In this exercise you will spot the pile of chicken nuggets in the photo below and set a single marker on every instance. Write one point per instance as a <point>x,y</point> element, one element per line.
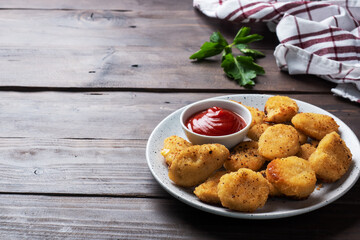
<point>288,153</point>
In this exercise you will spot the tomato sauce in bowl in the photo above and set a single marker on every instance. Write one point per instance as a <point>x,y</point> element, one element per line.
<point>215,121</point>
<point>227,123</point>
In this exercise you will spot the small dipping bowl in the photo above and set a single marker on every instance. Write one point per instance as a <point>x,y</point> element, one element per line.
<point>229,140</point>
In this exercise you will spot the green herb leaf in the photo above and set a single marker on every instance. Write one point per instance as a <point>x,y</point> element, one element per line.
<point>216,37</point>
<point>243,36</point>
<point>244,31</point>
<point>214,47</point>
<point>243,69</point>
<point>241,46</point>
<point>250,52</point>
<point>208,49</point>
<point>248,62</point>
<point>249,39</point>
<point>229,66</point>
<point>236,70</point>
<point>226,51</point>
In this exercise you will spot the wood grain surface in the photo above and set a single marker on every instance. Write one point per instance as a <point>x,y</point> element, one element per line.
<point>44,217</point>
<point>108,115</point>
<point>82,86</point>
<point>123,5</point>
<point>118,50</point>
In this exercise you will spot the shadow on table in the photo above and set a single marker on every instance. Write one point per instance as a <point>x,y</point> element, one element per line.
<point>335,221</point>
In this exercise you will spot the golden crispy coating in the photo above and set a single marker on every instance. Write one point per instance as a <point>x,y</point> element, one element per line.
<point>279,141</point>
<point>273,191</point>
<point>255,131</point>
<point>280,109</point>
<point>244,190</point>
<point>314,125</point>
<point>305,151</point>
<point>302,137</point>
<point>292,176</point>
<point>195,164</point>
<point>172,147</point>
<point>332,158</point>
<point>257,115</point>
<point>245,155</point>
<point>207,191</point>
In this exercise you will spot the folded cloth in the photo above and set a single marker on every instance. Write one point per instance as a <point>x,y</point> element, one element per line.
<point>316,37</point>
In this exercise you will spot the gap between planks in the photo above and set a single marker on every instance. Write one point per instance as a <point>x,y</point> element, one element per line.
<point>98,90</point>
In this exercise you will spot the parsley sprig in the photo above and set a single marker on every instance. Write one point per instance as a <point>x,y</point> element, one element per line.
<point>241,68</point>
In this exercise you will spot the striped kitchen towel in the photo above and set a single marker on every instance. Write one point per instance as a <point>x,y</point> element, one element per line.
<point>316,37</point>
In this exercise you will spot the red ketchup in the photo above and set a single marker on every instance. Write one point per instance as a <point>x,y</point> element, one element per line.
<point>215,121</point>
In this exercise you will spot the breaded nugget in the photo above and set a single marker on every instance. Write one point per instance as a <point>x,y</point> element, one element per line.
<point>244,190</point>
<point>195,164</point>
<point>172,147</point>
<point>332,158</point>
<point>255,131</point>
<point>314,125</point>
<point>245,155</point>
<point>257,115</point>
<point>302,137</point>
<point>292,176</point>
<point>279,141</point>
<point>207,191</point>
<point>279,109</point>
<point>273,191</point>
<point>305,151</point>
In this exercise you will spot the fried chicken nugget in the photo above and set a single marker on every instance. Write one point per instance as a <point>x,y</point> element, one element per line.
<point>244,190</point>
<point>280,109</point>
<point>196,163</point>
<point>332,158</point>
<point>302,137</point>
<point>245,155</point>
<point>255,131</point>
<point>273,191</point>
<point>314,125</point>
<point>292,176</point>
<point>257,126</point>
<point>279,141</point>
<point>207,191</point>
<point>172,147</point>
<point>305,151</point>
<point>257,115</point>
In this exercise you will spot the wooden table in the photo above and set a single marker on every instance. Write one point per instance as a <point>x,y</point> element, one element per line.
<point>84,83</point>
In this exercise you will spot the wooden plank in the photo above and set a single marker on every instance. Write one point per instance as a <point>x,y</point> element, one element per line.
<point>129,5</point>
<point>94,28</point>
<point>74,166</point>
<point>160,21</point>
<point>45,217</point>
<point>116,115</point>
<point>135,67</point>
<point>109,115</point>
<point>111,49</point>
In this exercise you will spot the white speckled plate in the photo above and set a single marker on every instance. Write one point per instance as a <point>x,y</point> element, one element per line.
<point>275,207</point>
